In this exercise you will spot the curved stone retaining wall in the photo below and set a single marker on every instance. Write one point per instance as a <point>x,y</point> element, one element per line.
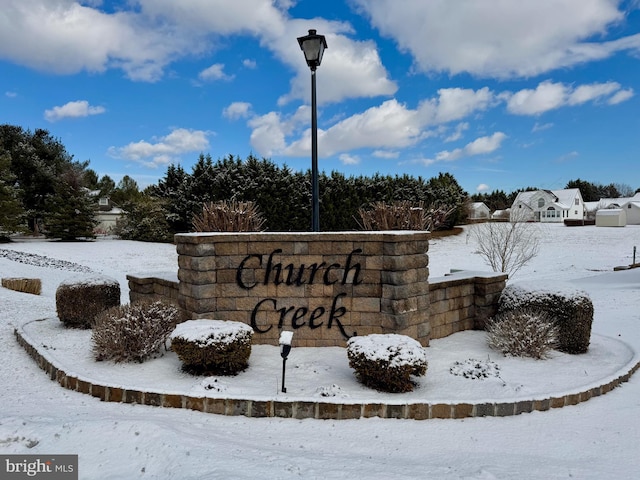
<point>310,409</point>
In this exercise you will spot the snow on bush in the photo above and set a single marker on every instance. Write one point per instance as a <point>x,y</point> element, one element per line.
<point>133,332</point>
<point>518,333</point>
<point>570,308</point>
<point>386,362</point>
<point>212,346</point>
<point>80,298</point>
<point>475,369</point>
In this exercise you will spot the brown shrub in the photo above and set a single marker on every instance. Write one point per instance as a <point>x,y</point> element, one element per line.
<point>80,299</point>
<point>522,334</point>
<point>133,332</point>
<point>386,362</point>
<point>571,309</point>
<point>403,215</point>
<point>212,347</point>
<point>229,216</point>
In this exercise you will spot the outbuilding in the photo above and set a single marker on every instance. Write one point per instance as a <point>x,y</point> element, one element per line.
<point>611,217</point>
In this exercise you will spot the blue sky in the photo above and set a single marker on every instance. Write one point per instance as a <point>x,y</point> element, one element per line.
<point>502,94</point>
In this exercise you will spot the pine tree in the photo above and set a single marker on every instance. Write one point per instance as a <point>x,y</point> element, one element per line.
<point>71,210</point>
<point>11,211</point>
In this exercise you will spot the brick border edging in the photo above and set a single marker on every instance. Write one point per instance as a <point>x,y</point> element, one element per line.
<point>311,409</point>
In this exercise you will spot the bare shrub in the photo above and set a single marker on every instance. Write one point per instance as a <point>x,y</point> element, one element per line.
<point>522,334</point>
<point>403,215</point>
<point>386,362</point>
<point>81,298</point>
<point>507,246</point>
<point>212,347</point>
<point>24,285</point>
<point>229,216</point>
<point>133,332</point>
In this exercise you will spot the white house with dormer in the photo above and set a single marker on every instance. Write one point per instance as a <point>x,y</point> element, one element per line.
<point>548,206</point>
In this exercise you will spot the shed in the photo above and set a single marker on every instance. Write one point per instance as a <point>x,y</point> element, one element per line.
<point>478,211</point>
<point>632,209</point>
<point>611,217</point>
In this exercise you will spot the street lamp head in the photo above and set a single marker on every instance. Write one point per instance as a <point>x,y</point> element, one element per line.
<point>313,46</point>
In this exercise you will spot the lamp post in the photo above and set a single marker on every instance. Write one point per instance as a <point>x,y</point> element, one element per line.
<point>285,349</point>
<point>313,46</point>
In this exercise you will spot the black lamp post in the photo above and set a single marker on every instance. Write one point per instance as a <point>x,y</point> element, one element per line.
<point>285,349</point>
<point>313,46</point>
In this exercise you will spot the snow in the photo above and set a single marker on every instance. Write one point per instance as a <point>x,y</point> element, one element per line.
<point>286,337</point>
<point>208,332</point>
<point>592,440</point>
<point>398,350</point>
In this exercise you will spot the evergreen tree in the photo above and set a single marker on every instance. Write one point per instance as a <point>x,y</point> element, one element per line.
<point>146,221</point>
<point>37,161</point>
<point>71,210</point>
<point>11,211</point>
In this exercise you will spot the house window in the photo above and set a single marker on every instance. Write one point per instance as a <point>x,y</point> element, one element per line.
<point>103,201</point>
<point>540,202</point>
<point>577,201</point>
<point>629,206</point>
<point>575,212</point>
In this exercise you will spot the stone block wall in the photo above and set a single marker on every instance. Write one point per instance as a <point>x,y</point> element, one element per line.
<point>158,286</point>
<point>364,282</point>
<point>326,287</point>
<point>463,300</point>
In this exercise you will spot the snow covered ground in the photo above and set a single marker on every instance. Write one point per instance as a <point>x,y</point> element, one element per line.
<point>593,440</point>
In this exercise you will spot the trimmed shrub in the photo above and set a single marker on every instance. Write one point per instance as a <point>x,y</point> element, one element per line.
<point>571,309</point>
<point>24,285</point>
<point>133,332</point>
<point>386,362</point>
<point>212,347</point>
<point>81,298</point>
<point>522,334</point>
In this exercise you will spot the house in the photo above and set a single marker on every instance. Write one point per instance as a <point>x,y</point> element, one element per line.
<point>107,214</point>
<point>479,211</point>
<point>548,206</point>
<point>611,217</point>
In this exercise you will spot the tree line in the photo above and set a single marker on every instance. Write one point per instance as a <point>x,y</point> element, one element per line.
<point>44,190</point>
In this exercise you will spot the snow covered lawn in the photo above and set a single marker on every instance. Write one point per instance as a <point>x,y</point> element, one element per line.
<point>593,440</point>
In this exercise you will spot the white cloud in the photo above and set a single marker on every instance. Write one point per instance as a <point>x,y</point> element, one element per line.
<point>214,72</point>
<point>385,154</point>
<point>483,187</point>
<point>585,93</point>
<point>621,96</point>
<point>350,68</point>
<point>550,96</point>
<point>237,110</point>
<point>248,63</point>
<point>10,94</point>
<point>502,39</point>
<point>480,146</point>
<point>64,37</point>
<point>457,133</point>
<point>163,150</point>
<point>77,109</point>
<point>539,127</point>
<point>347,159</point>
